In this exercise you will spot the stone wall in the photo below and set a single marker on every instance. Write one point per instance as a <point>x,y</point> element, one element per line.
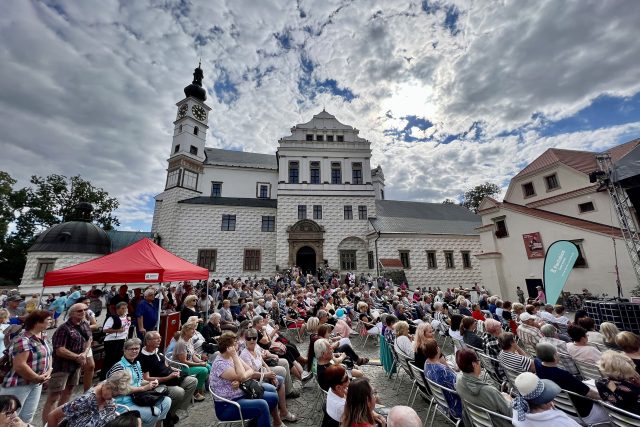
<point>30,284</point>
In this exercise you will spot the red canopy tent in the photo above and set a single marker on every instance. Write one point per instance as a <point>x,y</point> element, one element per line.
<point>141,262</point>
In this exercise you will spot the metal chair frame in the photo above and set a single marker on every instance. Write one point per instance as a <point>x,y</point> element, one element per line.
<point>404,363</point>
<point>563,402</point>
<point>215,397</point>
<point>441,402</point>
<point>620,417</point>
<point>487,363</point>
<point>511,377</point>
<point>425,391</point>
<point>297,329</point>
<point>482,417</point>
<point>181,366</point>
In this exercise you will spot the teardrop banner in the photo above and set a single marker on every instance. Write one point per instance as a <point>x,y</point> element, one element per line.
<point>558,263</point>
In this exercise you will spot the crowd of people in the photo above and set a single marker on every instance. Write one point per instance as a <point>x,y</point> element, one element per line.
<point>237,342</point>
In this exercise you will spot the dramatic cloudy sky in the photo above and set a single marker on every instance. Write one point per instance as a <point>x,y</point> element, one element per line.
<point>451,93</point>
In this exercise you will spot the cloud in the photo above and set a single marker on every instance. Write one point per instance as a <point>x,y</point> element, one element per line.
<point>451,93</point>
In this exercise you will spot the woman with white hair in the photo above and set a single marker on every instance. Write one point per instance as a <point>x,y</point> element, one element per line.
<point>620,383</point>
<point>96,407</point>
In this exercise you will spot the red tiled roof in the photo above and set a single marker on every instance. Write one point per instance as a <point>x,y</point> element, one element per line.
<point>583,161</point>
<point>564,219</point>
<point>391,263</point>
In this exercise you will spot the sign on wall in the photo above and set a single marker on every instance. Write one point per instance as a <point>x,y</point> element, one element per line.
<point>533,245</point>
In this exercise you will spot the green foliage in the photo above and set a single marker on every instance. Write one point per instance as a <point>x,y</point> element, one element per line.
<point>48,201</point>
<point>472,198</point>
<point>448,202</point>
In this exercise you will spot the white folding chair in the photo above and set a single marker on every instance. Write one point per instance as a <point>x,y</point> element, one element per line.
<point>564,402</point>
<point>179,365</point>
<point>588,371</point>
<point>422,388</point>
<point>482,417</point>
<point>620,417</point>
<point>442,405</point>
<point>215,397</point>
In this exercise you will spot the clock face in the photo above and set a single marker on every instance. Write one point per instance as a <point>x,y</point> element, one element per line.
<point>183,111</point>
<point>199,112</point>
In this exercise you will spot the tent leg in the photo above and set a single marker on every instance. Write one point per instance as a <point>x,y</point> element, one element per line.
<point>40,300</point>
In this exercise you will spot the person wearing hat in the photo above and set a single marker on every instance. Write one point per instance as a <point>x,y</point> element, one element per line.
<point>534,406</point>
<point>528,331</point>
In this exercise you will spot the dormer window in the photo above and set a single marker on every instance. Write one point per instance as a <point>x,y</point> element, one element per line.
<point>551,182</point>
<point>340,138</point>
<point>528,190</point>
<point>319,137</point>
<point>329,138</point>
<point>195,130</point>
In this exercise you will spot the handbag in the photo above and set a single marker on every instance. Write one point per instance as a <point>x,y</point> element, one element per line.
<point>278,348</point>
<point>177,380</point>
<point>271,361</point>
<point>252,389</point>
<point>151,397</point>
<point>5,365</point>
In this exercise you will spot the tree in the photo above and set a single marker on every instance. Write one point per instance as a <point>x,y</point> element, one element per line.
<point>31,210</point>
<point>472,198</point>
<point>448,202</point>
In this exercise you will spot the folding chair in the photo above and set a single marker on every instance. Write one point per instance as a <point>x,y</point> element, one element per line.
<point>511,377</point>
<point>297,335</point>
<point>482,417</point>
<point>422,388</point>
<point>364,332</point>
<point>588,371</point>
<point>480,329</point>
<point>179,365</point>
<point>215,397</point>
<point>564,402</point>
<point>442,405</point>
<point>404,363</point>
<point>489,364</point>
<point>620,417</point>
<point>458,345</point>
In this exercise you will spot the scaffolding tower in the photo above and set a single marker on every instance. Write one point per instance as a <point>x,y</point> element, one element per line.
<point>622,206</point>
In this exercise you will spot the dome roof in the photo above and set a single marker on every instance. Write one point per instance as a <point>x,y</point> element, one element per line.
<point>195,89</point>
<point>73,236</point>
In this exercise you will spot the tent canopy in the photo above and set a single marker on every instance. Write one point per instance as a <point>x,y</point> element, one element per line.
<point>141,262</point>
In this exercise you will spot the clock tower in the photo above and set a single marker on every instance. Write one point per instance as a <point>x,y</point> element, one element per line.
<point>189,136</point>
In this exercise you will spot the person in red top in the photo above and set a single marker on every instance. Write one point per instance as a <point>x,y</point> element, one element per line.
<point>360,405</point>
<point>477,313</point>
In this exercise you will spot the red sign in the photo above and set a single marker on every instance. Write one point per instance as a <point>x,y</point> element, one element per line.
<point>533,245</point>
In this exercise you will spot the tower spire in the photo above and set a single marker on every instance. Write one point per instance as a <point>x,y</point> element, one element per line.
<point>195,89</point>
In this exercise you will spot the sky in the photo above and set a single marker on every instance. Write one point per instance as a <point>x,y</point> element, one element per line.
<point>450,93</point>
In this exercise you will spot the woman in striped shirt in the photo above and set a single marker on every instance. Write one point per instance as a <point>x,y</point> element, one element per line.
<point>512,356</point>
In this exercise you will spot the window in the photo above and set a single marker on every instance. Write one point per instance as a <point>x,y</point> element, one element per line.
<point>340,138</point>
<point>382,194</point>
<point>501,228</point>
<point>228,223</point>
<point>336,173</point>
<point>319,138</point>
<point>302,211</point>
<point>175,150</point>
<point>268,223</point>
<point>263,192</point>
<point>347,260</point>
<point>44,265</point>
<point>348,212</point>
<point>180,128</point>
<point>294,172</point>
<point>586,207</point>
<point>329,138</point>
<point>404,259</point>
<point>362,212</point>
<point>173,178</point>
<point>193,150</point>
<point>252,259</point>
<point>216,189</point>
<point>189,179</point>
<point>466,259</point>
<point>371,260</point>
<point>207,258</point>
<point>431,260</point>
<point>581,261</point>
<point>309,137</point>
<point>315,172</point>
<point>448,259</point>
<point>356,173</point>
<point>551,182</point>
<point>195,130</point>
<point>317,211</point>
<point>528,190</point>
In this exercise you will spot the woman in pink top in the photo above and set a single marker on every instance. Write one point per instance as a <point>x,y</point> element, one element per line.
<point>579,349</point>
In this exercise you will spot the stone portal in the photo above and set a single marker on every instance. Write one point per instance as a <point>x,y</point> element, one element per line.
<point>306,245</point>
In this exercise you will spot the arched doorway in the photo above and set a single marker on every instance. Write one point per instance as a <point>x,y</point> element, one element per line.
<point>306,259</point>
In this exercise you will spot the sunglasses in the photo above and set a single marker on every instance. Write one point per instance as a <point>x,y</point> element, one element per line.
<point>252,338</point>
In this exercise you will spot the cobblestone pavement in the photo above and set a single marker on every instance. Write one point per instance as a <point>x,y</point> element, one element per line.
<point>307,407</point>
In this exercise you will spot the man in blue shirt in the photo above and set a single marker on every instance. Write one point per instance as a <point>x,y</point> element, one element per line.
<point>58,307</point>
<point>147,312</point>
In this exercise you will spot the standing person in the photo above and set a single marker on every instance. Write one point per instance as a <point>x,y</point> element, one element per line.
<point>57,306</point>
<point>31,364</point>
<point>147,312</point>
<point>71,342</point>
<point>541,296</point>
<point>90,366</point>
<point>121,296</point>
<point>4,325</point>
<point>520,294</point>
<point>116,326</point>
<point>32,303</point>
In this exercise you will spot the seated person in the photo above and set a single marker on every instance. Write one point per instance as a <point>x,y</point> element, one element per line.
<point>325,357</point>
<point>468,332</point>
<point>609,332</point>
<point>579,349</point>
<point>590,326</point>
<point>338,381</point>
<point>403,416</point>
<point>534,406</point>
<point>403,344</point>
<point>547,367</point>
<point>620,383</point>
<point>512,356</point>
<point>630,345</point>
<point>423,333</point>
<point>474,390</point>
<point>437,370</point>
<point>360,404</point>
<point>212,330</point>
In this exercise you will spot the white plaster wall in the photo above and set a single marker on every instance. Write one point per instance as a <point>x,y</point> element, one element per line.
<point>165,214</point>
<point>601,201</point>
<point>237,182</point>
<point>419,274</point>
<point>336,227</point>
<point>63,259</point>
<point>200,228</point>
<point>569,180</point>
<point>598,251</point>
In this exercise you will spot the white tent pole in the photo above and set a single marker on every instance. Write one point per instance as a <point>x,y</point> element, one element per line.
<point>159,308</point>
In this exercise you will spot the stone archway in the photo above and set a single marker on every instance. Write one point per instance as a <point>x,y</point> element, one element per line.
<point>306,260</point>
<point>306,234</point>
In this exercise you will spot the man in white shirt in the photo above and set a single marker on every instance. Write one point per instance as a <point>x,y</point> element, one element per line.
<point>547,314</point>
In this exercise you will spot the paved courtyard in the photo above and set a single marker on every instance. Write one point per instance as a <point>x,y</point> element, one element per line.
<point>307,406</point>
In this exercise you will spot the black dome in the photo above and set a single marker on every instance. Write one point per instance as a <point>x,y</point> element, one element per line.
<point>195,89</point>
<point>73,236</point>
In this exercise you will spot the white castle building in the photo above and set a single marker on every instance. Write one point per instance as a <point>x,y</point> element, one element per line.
<point>316,201</point>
